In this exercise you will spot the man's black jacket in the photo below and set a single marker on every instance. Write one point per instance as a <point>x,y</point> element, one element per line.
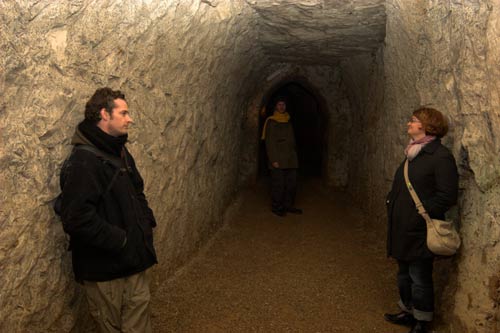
<point>111,231</point>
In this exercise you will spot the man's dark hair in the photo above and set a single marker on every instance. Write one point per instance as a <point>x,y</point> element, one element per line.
<point>102,98</point>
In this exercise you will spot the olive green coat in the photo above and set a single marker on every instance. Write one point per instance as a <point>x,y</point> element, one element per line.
<point>280,145</point>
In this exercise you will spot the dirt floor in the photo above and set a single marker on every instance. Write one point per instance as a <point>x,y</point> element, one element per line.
<point>316,272</point>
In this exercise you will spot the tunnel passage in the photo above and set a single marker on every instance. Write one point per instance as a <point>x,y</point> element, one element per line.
<point>195,71</point>
<point>308,118</point>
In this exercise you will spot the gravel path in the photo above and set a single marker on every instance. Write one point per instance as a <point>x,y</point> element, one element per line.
<point>316,272</point>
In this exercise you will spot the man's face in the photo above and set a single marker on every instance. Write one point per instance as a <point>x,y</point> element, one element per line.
<point>118,122</point>
<point>281,107</point>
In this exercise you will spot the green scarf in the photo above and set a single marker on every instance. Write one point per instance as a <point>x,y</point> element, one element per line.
<point>279,117</point>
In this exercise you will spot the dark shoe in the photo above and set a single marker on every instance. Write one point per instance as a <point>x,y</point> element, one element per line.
<point>280,213</point>
<point>420,327</point>
<point>402,318</point>
<point>294,210</point>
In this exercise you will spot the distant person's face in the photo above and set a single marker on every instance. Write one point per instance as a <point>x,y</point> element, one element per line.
<point>281,107</point>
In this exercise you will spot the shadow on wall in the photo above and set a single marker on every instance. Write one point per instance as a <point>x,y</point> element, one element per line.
<point>308,117</point>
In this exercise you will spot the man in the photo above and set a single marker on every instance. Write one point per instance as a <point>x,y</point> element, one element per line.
<point>106,214</point>
<point>280,146</point>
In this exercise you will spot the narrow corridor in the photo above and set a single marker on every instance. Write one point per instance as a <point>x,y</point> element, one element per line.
<point>199,77</point>
<point>317,272</point>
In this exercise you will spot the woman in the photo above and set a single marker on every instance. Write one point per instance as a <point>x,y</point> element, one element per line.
<point>433,173</point>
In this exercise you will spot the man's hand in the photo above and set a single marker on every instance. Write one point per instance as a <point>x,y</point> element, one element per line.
<point>275,165</point>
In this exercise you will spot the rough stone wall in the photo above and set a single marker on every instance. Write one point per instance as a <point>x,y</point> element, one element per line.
<point>340,140</point>
<point>444,54</point>
<point>316,32</point>
<point>371,130</point>
<point>185,66</point>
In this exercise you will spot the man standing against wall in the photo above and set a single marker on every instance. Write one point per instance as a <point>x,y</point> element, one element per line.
<point>105,212</point>
<point>280,147</point>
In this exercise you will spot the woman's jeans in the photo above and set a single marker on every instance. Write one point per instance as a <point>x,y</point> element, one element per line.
<point>416,288</point>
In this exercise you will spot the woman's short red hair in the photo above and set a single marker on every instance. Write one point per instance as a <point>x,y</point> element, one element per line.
<point>433,121</point>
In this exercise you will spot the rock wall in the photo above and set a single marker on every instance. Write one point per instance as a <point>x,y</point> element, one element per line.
<point>372,130</point>
<point>319,32</point>
<point>186,68</point>
<point>443,54</point>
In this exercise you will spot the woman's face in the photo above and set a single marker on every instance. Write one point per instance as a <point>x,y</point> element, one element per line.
<point>415,128</point>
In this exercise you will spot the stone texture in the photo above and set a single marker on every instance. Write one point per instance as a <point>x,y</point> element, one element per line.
<point>319,32</point>
<point>371,130</point>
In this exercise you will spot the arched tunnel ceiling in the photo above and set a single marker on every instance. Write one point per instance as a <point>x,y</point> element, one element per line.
<point>319,31</point>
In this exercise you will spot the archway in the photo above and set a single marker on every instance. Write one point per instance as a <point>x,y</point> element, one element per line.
<point>308,117</point>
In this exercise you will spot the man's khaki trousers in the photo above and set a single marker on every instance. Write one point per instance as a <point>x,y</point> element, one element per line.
<point>120,305</point>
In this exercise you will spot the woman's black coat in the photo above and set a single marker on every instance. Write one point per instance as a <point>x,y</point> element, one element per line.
<point>433,174</point>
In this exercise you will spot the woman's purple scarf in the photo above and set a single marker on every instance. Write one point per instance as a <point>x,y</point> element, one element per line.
<point>415,146</point>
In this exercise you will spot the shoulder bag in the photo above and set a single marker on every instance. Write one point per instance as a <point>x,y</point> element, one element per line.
<point>442,237</point>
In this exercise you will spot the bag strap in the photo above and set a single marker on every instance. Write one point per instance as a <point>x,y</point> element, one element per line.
<point>115,161</point>
<point>416,199</point>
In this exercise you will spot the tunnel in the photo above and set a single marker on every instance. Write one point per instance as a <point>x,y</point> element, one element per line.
<point>308,118</point>
<point>200,77</point>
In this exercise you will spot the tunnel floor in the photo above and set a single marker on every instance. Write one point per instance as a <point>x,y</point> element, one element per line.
<point>317,272</point>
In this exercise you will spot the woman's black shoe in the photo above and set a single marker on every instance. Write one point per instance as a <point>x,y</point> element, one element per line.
<point>402,318</point>
<point>420,327</point>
